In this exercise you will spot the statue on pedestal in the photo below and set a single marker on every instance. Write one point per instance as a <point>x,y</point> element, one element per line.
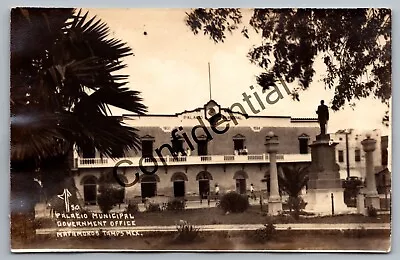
<point>325,193</point>
<point>323,117</point>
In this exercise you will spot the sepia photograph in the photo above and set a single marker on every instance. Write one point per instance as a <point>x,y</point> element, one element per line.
<point>202,129</point>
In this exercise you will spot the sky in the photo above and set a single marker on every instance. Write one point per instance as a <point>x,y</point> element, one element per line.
<point>170,69</point>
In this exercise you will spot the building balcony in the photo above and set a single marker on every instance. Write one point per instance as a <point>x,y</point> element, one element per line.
<point>189,160</point>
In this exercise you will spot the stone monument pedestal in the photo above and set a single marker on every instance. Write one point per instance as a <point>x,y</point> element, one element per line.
<point>372,200</point>
<point>371,194</point>
<point>324,185</point>
<point>361,204</point>
<point>274,205</point>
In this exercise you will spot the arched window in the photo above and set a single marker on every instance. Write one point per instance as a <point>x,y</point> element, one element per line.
<point>204,178</point>
<point>148,184</point>
<point>178,179</point>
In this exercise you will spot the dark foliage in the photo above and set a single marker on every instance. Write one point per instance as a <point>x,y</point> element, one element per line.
<point>187,233</point>
<point>63,84</point>
<point>351,190</point>
<point>153,207</point>
<point>296,205</point>
<point>372,212</point>
<point>105,202</point>
<point>234,202</point>
<point>132,208</point>
<point>64,76</point>
<point>292,179</point>
<point>109,192</point>
<point>176,205</point>
<point>263,235</point>
<point>354,44</point>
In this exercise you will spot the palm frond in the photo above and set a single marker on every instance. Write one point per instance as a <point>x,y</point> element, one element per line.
<point>292,179</point>
<point>63,92</point>
<point>36,136</point>
<point>105,133</point>
<point>94,36</point>
<point>33,31</point>
<point>120,97</point>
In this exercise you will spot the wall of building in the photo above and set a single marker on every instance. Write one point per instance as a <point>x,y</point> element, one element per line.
<point>253,128</point>
<point>354,142</point>
<point>222,144</point>
<point>221,175</point>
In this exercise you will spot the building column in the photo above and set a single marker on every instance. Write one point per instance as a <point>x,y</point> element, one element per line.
<point>274,200</point>
<point>371,194</point>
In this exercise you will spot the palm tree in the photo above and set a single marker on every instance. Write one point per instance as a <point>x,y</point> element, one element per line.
<point>292,179</point>
<point>64,77</point>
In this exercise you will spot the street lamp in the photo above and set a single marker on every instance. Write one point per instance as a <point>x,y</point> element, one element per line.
<point>347,132</point>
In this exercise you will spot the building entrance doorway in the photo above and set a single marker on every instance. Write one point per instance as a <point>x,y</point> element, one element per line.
<point>240,180</point>
<point>204,188</point>
<point>241,186</point>
<point>90,191</point>
<point>90,194</point>
<point>179,188</point>
<point>148,186</point>
<point>149,189</point>
<point>178,184</point>
<point>204,178</point>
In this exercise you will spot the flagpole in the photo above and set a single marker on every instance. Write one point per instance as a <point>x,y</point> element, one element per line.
<point>209,78</point>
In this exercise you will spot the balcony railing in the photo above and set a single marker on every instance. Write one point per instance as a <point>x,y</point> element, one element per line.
<point>92,161</point>
<point>191,160</point>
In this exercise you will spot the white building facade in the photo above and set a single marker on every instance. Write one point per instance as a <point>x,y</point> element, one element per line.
<point>350,154</point>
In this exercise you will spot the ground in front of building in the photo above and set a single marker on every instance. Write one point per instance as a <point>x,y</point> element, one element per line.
<point>218,241</point>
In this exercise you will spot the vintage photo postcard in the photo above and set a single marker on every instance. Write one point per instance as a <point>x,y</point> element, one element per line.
<point>200,129</point>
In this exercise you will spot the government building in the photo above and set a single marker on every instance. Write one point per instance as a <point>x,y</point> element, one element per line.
<point>187,154</point>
